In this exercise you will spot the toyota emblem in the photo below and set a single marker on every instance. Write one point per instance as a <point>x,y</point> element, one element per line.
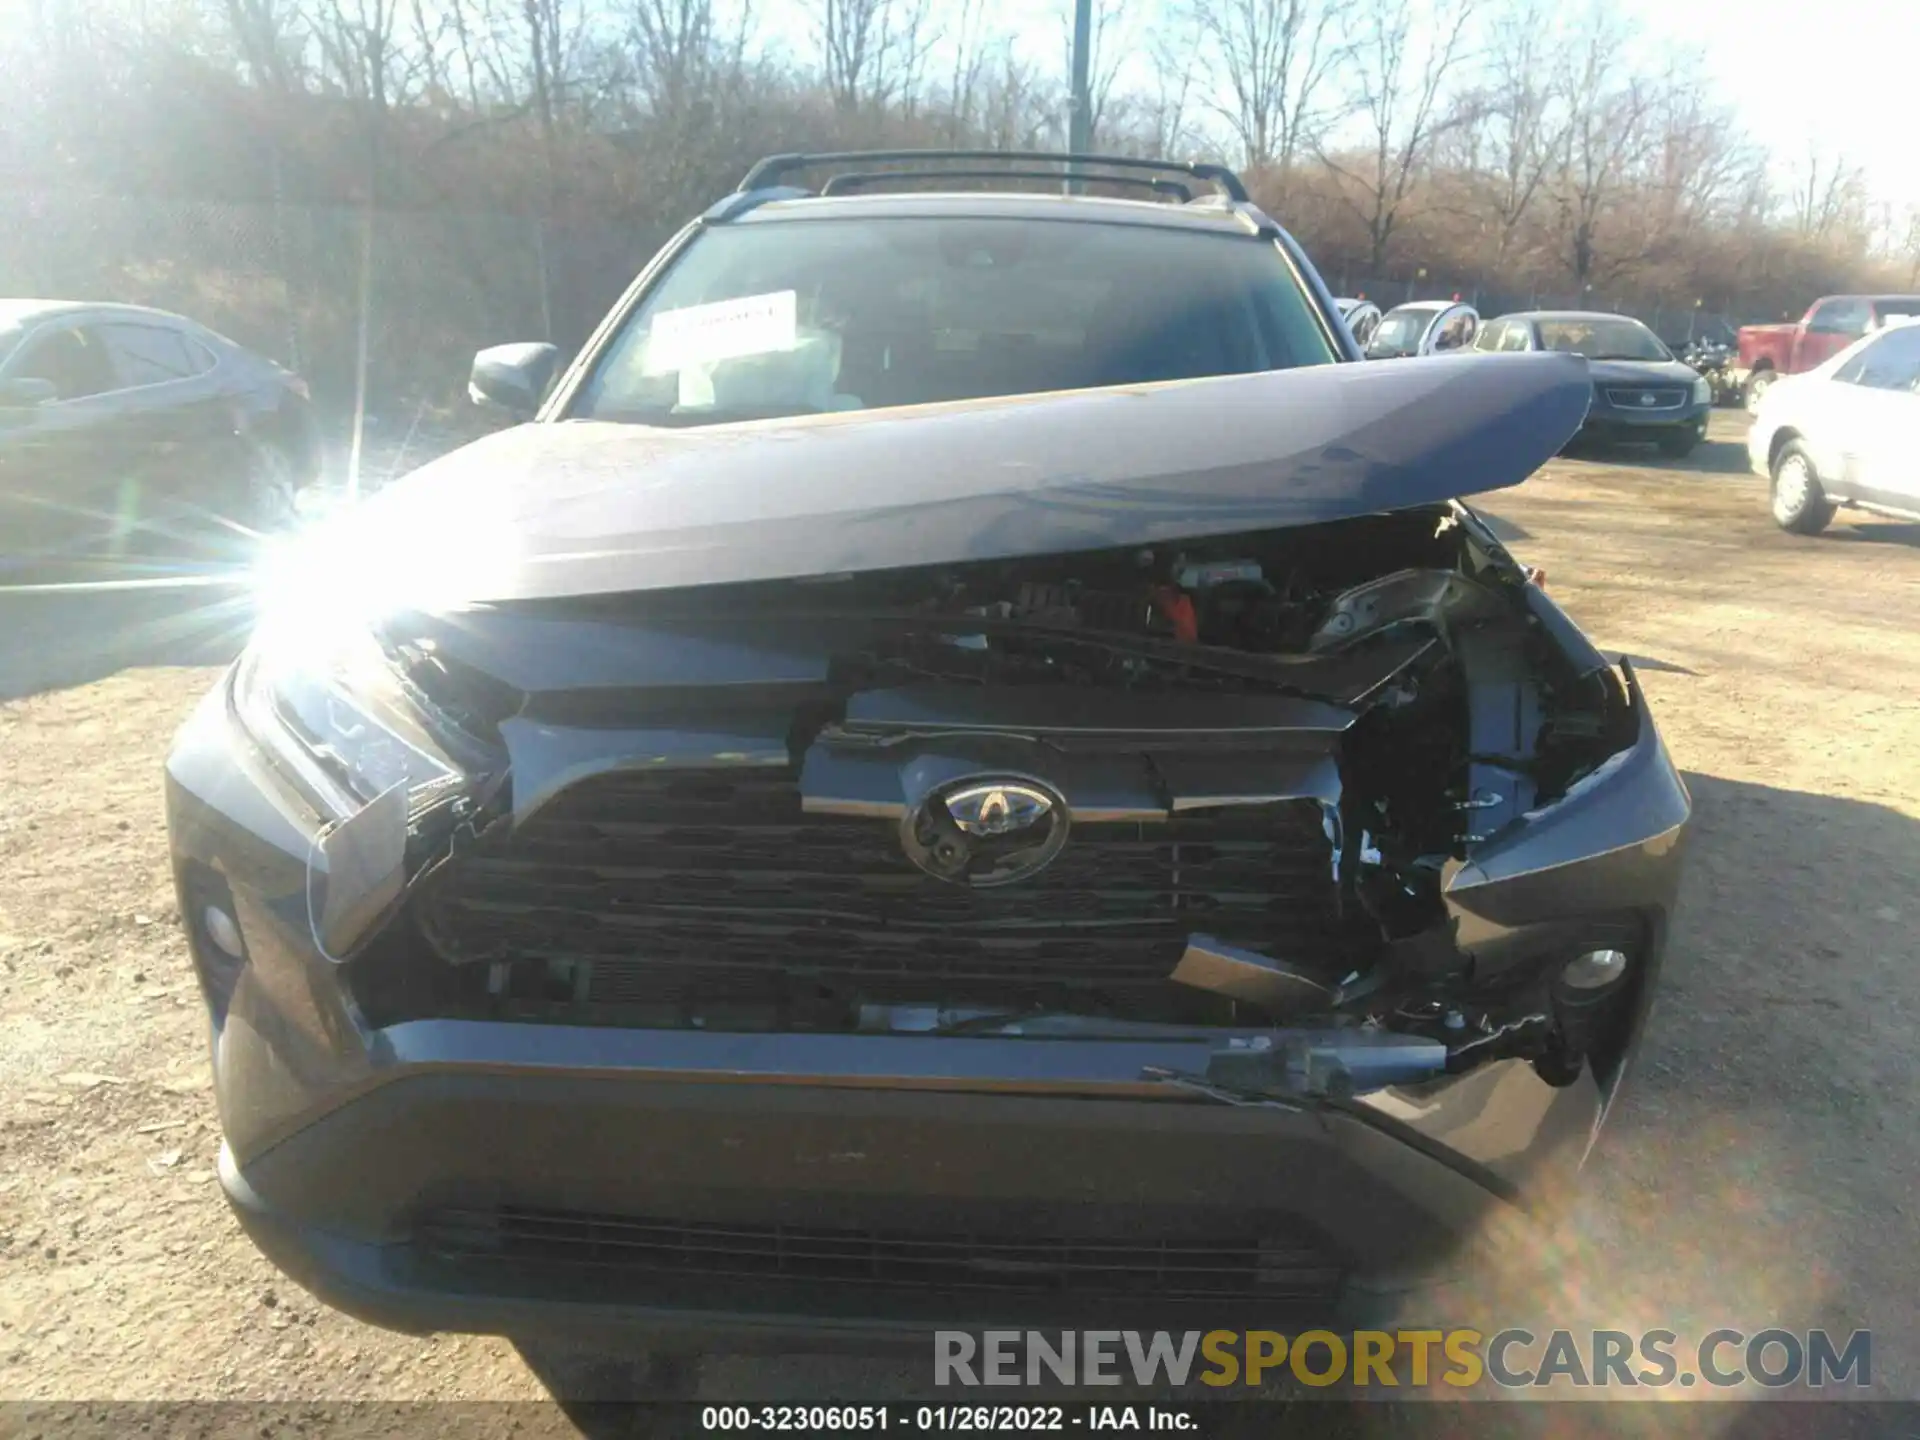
<point>986,830</point>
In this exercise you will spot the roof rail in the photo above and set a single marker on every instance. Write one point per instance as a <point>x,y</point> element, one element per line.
<point>773,167</point>
<point>865,179</point>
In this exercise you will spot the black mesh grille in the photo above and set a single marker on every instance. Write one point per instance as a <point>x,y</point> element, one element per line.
<point>1630,397</point>
<point>715,887</point>
<point>1280,1267</point>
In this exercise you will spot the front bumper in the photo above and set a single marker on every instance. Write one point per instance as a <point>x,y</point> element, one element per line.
<point>1606,420</point>
<point>349,1145</point>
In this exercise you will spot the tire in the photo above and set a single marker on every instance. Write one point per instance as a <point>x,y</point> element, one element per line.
<point>1757,385</point>
<point>1680,444</point>
<point>1800,503</point>
<point>267,504</point>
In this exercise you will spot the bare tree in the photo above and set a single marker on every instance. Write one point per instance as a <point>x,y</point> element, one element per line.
<point>871,50</point>
<point>1019,111</point>
<point>1523,121</point>
<point>1695,157</point>
<point>268,36</point>
<point>673,43</point>
<point>1175,58</point>
<point>1606,133</point>
<point>1276,57</point>
<point>1829,194</point>
<point>969,62</point>
<point>1401,94</point>
<point>357,42</point>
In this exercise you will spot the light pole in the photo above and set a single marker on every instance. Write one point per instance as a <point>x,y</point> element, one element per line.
<point>1080,116</point>
<point>1080,119</point>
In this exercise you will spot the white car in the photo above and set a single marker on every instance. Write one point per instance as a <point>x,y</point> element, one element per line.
<point>1423,327</point>
<point>1844,433</point>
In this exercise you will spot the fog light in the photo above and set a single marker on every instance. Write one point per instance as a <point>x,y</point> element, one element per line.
<point>1594,970</point>
<point>222,931</point>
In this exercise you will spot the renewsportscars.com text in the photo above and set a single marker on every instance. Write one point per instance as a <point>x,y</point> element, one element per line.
<point>1514,1358</point>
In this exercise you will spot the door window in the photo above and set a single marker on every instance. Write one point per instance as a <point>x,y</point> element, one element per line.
<point>1456,332</point>
<point>1890,363</point>
<point>73,358</point>
<point>153,355</point>
<point>1840,317</point>
<point>1493,337</point>
<point>1515,337</point>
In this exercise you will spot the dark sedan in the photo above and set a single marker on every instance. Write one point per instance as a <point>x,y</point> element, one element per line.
<point>943,779</point>
<point>120,426</point>
<point>1640,391</point>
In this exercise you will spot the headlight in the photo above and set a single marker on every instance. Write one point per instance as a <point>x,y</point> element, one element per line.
<point>1702,391</point>
<point>335,713</point>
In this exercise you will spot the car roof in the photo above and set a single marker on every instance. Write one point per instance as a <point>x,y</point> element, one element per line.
<point>26,311</point>
<point>1013,205</point>
<point>1435,305</point>
<point>1566,315</point>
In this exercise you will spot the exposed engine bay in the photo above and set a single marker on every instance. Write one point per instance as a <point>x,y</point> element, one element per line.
<point>1218,788</point>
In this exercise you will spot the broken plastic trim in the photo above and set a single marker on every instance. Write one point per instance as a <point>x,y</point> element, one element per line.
<point>360,866</point>
<point>1273,985</point>
<point>1310,1064</point>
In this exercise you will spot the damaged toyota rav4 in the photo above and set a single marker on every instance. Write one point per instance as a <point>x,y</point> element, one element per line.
<point>968,766</point>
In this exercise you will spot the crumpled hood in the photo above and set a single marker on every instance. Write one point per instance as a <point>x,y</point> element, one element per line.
<point>580,508</point>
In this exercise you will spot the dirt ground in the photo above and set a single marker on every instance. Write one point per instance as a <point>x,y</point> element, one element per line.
<point>1759,1171</point>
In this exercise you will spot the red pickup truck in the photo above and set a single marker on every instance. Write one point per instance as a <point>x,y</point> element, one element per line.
<point>1830,325</point>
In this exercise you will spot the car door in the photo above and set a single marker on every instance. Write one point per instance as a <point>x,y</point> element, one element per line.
<point>1881,452</point>
<point>61,460</point>
<point>1833,325</point>
<point>178,418</point>
<point>1453,330</point>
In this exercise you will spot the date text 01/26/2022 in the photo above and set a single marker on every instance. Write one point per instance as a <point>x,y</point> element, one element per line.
<point>980,1419</point>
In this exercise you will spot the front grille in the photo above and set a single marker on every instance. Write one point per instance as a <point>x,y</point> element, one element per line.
<point>1274,1266</point>
<point>1630,397</point>
<point>694,888</point>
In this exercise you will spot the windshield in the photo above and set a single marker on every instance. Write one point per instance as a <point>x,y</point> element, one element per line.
<point>1400,332</point>
<point>1605,338</point>
<point>795,318</point>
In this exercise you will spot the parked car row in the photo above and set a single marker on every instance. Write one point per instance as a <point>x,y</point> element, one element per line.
<point>122,427</point>
<point>1641,390</point>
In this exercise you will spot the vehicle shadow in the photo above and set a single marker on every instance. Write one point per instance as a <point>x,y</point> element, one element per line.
<point>1504,530</point>
<point>1873,532</point>
<point>1710,457</point>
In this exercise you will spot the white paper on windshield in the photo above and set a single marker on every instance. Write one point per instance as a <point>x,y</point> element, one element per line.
<point>724,330</point>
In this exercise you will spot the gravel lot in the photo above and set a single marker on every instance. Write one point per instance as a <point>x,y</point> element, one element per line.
<point>1759,1172</point>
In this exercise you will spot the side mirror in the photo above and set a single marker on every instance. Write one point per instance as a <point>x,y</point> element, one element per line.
<point>513,378</point>
<point>27,392</point>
